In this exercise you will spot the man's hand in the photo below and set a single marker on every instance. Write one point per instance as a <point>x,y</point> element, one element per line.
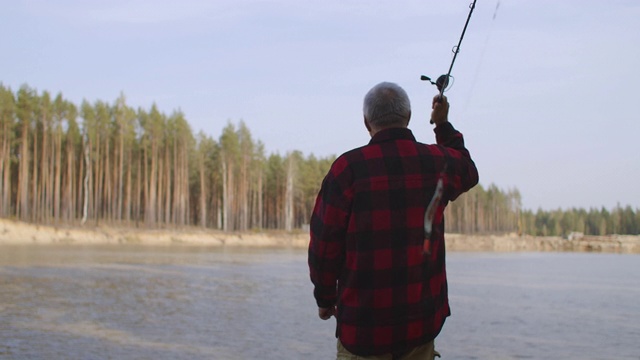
<point>440,112</point>
<point>326,313</point>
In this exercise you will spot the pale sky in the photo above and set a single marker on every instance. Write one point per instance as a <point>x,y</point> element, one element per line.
<point>545,90</point>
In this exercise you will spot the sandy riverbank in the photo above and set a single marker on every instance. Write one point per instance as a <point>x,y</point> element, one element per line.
<point>14,232</point>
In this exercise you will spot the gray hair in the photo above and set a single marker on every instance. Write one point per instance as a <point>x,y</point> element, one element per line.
<point>387,104</point>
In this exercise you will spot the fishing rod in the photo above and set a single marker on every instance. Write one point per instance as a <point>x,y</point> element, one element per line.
<point>442,82</point>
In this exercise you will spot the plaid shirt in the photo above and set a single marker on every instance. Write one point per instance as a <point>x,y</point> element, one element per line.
<point>365,253</point>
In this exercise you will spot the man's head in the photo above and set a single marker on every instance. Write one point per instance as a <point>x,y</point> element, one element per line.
<point>386,105</point>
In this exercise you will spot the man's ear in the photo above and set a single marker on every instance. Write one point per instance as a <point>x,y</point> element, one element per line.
<point>366,124</point>
<point>409,118</point>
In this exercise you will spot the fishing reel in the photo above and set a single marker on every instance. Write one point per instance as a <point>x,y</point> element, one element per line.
<point>442,83</point>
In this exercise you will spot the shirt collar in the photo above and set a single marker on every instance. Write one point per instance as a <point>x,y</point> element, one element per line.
<point>392,134</point>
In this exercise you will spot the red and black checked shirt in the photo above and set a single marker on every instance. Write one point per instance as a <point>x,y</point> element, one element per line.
<point>367,232</point>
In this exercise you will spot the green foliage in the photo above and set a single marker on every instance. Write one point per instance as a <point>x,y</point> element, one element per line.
<point>497,211</point>
<point>622,221</point>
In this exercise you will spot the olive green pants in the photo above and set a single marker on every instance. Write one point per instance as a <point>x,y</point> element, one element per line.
<point>423,352</point>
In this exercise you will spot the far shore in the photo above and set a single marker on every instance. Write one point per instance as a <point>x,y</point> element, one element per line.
<point>21,233</point>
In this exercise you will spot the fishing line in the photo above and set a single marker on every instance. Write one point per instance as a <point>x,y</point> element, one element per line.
<point>480,61</point>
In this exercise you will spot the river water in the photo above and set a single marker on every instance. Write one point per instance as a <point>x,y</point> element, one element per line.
<point>127,302</point>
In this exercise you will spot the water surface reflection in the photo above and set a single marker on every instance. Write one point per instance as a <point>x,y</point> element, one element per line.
<point>128,302</point>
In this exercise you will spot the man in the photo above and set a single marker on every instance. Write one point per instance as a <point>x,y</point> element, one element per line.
<point>366,256</point>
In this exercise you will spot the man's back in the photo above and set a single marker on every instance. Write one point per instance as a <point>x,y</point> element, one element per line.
<point>391,295</point>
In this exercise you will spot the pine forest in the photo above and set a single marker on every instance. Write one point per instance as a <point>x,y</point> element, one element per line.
<point>108,163</point>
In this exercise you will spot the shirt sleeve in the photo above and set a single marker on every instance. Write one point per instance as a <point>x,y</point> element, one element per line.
<point>328,227</point>
<point>462,173</point>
